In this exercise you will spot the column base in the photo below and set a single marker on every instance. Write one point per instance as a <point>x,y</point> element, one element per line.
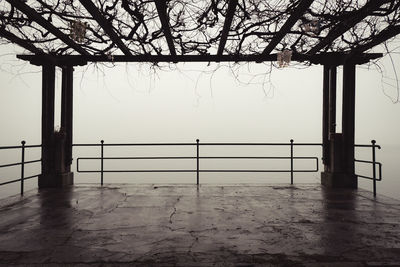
<point>56,180</point>
<point>339,180</point>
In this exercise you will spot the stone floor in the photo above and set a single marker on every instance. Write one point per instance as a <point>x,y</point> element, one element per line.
<point>155,225</point>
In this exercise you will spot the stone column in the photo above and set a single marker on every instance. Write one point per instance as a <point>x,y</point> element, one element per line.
<point>339,167</point>
<point>48,140</point>
<point>56,146</point>
<point>65,175</point>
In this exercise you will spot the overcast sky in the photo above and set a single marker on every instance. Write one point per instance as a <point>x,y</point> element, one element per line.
<point>135,102</point>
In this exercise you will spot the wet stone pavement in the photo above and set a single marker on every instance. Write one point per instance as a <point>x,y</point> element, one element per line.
<point>242,225</point>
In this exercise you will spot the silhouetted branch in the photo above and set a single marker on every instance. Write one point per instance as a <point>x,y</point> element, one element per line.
<point>245,27</point>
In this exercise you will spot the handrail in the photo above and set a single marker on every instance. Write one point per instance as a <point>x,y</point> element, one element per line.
<point>377,146</point>
<point>194,170</point>
<point>19,163</point>
<point>374,163</point>
<point>198,158</point>
<point>16,147</point>
<point>203,144</point>
<point>379,170</point>
<point>23,162</point>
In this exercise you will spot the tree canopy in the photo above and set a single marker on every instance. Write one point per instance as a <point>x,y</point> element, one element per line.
<point>198,27</point>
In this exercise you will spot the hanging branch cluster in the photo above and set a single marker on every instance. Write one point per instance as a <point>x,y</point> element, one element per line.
<point>196,26</point>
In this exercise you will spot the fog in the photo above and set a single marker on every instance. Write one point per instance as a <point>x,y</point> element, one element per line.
<point>215,103</point>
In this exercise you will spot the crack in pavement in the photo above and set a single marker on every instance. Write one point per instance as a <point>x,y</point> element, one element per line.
<point>196,239</point>
<point>173,212</point>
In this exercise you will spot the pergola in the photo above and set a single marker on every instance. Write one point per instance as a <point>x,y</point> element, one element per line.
<point>68,33</point>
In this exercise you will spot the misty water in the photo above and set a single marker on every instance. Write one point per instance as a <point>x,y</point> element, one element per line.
<point>387,156</point>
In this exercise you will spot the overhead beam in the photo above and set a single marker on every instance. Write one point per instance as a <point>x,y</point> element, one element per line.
<point>162,14</point>
<point>345,25</point>
<point>227,25</point>
<point>294,17</point>
<point>34,16</point>
<point>16,40</point>
<point>326,58</point>
<point>106,25</point>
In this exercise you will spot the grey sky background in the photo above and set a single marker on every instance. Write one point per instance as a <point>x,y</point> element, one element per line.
<point>132,103</point>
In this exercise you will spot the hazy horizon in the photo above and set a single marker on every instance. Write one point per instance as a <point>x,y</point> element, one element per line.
<point>130,103</point>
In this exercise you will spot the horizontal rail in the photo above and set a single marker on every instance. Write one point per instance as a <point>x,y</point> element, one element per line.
<point>202,144</point>
<point>15,147</point>
<point>117,171</point>
<point>19,163</point>
<point>260,144</point>
<point>194,170</point>
<point>139,144</point>
<point>9,182</point>
<point>166,171</point>
<point>371,162</point>
<point>80,158</point>
<point>32,176</point>
<point>258,170</point>
<point>377,146</point>
<point>19,179</point>
<point>189,144</point>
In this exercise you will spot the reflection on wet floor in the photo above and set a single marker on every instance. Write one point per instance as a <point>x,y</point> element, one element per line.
<point>185,226</point>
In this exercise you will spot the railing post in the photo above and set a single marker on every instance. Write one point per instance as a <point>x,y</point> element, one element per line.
<point>22,166</point>
<point>197,161</point>
<point>291,161</point>
<point>101,161</point>
<point>373,166</point>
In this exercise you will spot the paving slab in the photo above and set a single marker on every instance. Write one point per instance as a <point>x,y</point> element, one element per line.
<point>210,225</point>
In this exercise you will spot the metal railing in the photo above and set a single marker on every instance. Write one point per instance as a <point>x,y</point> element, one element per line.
<point>23,162</point>
<point>374,163</point>
<point>198,158</point>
